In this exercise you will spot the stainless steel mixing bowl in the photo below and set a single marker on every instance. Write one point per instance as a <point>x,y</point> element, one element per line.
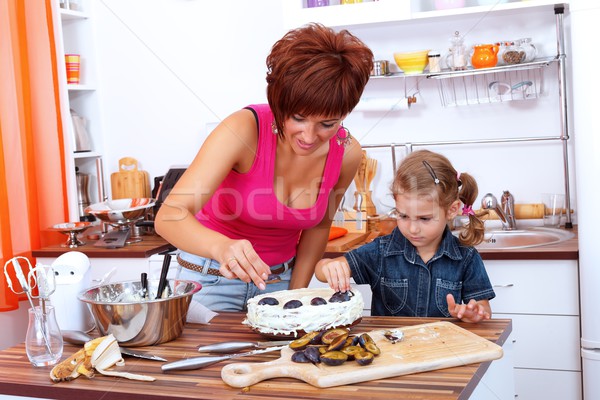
<point>119,308</point>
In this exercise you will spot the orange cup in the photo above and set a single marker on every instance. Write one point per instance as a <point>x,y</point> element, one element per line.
<point>73,68</point>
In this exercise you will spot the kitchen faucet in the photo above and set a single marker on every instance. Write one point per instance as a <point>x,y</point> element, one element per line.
<point>505,210</point>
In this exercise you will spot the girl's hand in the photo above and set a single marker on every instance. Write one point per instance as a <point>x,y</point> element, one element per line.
<point>240,260</point>
<point>336,272</point>
<point>471,312</point>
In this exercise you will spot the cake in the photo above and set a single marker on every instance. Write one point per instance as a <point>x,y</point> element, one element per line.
<point>295,312</point>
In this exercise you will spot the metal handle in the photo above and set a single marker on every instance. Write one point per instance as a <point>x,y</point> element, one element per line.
<point>205,361</point>
<point>227,347</point>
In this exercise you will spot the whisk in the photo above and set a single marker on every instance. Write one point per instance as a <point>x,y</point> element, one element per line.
<point>44,277</point>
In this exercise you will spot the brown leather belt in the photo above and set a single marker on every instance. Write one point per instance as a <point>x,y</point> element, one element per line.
<point>216,272</point>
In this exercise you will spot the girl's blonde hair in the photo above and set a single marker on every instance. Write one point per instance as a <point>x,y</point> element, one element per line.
<point>424,171</point>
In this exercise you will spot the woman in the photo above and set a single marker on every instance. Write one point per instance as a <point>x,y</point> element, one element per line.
<point>252,212</point>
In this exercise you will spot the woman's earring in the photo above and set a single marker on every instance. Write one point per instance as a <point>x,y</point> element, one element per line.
<point>343,140</point>
<point>274,128</point>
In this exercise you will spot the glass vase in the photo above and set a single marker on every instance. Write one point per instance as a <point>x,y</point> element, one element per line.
<point>44,343</point>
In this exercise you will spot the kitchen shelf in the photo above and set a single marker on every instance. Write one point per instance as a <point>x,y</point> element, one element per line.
<point>75,33</point>
<point>86,154</point>
<point>536,64</point>
<point>80,88</point>
<point>72,14</point>
<point>447,73</point>
<point>492,85</point>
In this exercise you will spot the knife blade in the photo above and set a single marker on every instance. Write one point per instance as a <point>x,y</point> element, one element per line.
<point>229,347</point>
<point>140,354</point>
<point>205,361</point>
<point>79,337</point>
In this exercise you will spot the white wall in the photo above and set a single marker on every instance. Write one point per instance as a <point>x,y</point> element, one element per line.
<point>169,68</point>
<point>173,68</point>
<point>17,322</point>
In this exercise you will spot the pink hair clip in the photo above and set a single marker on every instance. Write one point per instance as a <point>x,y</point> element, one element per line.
<point>468,210</point>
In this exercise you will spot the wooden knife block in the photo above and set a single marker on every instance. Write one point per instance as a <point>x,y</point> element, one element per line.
<point>367,204</point>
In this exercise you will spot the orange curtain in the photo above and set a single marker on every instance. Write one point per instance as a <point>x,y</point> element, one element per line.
<point>33,192</point>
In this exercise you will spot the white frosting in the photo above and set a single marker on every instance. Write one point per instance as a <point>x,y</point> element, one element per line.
<point>308,318</point>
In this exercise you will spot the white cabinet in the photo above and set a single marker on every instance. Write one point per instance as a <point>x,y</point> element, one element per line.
<point>74,34</point>
<point>542,299</point>
<point>296,13</point>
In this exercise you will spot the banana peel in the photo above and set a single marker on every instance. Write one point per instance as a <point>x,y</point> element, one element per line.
<point>97,355</point>
<point>68,369</point>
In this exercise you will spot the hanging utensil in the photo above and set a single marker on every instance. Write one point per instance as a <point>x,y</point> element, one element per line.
<point>338,219</point>
<point>359,201</point>
<point>205,361</point>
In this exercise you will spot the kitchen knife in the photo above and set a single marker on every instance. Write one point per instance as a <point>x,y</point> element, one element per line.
<point>79,337</point>
<point>205,361</point>
<point>229,347</point>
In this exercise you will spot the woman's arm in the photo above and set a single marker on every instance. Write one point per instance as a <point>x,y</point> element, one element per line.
<point>231,145</point>
<point>313,242</point>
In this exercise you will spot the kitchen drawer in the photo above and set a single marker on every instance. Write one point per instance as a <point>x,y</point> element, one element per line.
<point>534,286</point>
<point>545,341</point>
<point>535,384</point>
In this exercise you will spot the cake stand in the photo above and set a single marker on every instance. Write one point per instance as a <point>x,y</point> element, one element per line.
<point>121,214</point>
<point>71,229</point>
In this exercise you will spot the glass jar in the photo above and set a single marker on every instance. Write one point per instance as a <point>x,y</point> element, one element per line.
<point>513,54</point>
<point>43,343</point>
<point>529,49</point>
<point>456,59</point>
<point>317,3</point>
<point>434,62</point>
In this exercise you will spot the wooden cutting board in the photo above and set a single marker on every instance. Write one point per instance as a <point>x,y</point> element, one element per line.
<point>425,347</point>
<point>346,242</point>
<point>129,182</point>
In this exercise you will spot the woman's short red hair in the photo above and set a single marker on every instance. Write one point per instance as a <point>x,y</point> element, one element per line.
<point>314,70</point>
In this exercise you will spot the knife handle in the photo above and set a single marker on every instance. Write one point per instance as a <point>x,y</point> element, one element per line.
<point>193,363</point>
<point>227,347</point>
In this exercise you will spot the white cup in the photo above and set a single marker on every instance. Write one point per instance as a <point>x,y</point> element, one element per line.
<point>554,208</point>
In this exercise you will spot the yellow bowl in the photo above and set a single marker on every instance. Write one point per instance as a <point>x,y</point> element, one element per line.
<point>412,62</point>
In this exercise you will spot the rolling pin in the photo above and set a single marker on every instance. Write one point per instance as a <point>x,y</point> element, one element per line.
<point>522,211</point>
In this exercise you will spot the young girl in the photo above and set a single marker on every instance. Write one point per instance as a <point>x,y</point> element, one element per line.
<point>421,269</point>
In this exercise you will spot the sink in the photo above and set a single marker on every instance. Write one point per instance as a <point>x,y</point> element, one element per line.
<point>522,238</point>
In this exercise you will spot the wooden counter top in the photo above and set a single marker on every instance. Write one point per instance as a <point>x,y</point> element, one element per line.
<point>150,244</point>
<point>19,377</point>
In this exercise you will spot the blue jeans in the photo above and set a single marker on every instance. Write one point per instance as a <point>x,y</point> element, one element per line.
<point>221,294</point>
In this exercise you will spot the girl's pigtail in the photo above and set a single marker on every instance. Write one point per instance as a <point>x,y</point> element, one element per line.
<point>474,231</point>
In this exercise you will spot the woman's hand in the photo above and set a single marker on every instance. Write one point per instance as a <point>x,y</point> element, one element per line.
<point>240,260</point>
<point>474,311</point>
<point>336,272</point>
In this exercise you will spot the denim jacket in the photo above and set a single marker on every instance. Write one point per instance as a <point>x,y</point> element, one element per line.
<point>403,285</point>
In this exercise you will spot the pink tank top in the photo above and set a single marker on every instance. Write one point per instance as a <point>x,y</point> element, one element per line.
<point>246,207</point>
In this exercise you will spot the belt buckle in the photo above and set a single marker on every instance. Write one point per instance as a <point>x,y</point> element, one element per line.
<point>273,278</point>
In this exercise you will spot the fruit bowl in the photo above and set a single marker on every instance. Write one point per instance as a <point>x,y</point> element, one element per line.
<point>120,211</point>
<point>412,62</point>
<point>71,229</point>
